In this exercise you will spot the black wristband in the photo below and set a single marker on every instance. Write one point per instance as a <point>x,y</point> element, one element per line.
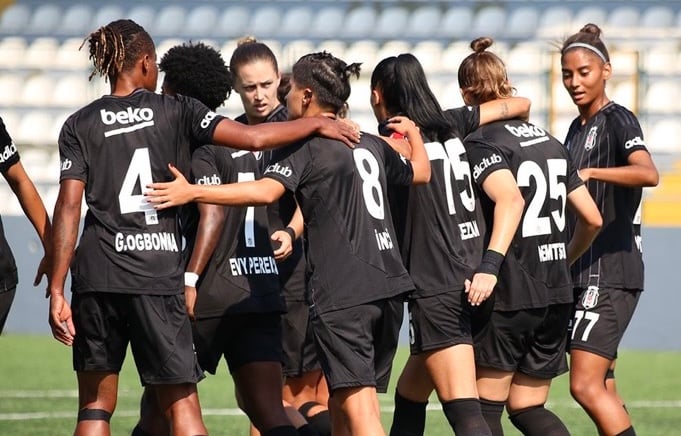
<point>490,263</point>
<point>291,233</point>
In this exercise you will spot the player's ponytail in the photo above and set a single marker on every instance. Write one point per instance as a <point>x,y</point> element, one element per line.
<point>116,47</point>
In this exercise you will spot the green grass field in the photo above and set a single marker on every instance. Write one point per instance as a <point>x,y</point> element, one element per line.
<point>38,394</point>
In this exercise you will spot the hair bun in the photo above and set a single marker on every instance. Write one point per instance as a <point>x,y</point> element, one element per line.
<point>353,70</point>
<point>481,44</point>
<point>591,28</point>
<point>246,40</point>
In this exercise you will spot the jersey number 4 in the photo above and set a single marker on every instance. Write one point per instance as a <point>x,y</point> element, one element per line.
<point>534,224</point>
<point>138,170</point>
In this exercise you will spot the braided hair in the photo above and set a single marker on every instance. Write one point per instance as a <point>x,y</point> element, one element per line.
<point>116,47</point>
<point>199,71</point>
<point>327,76</point>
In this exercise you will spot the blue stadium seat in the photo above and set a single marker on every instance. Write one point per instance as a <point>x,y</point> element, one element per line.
<point>106,14</point>
<point>334,46</point>
<point>296,22</point>
<point>44,20</point>
<point>11,85</point>
<point>528,58</point>
<point>265,22</point>
<point>453,55</point>
<point>623,16</point>
<point>76,20</point>
<point>555,20</point>
<point>392,22</point>
<point>390,48</point>
<point>200,21</point>
<point>294,50</point>
<point>456,22</point>
<point>589,14</point>
<point>328,23</point>
<point>522,22</point>
<point>360,22</point>
<point>41,52</point>
<point>15,19</point>
<point>489,21</point>
<point>71,57</point>
<point>12,51</point>
<point>37,91</point>
<point>364,51</point>
<point>70,91</point>
<point>169,21</point>
<point>233,22</point>
<point>429,54</point>
<point>657,16</point>
<point>424,22</point>
<point>144,15</point>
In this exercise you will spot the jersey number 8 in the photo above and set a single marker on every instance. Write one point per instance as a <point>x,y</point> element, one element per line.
<point>368,169</point>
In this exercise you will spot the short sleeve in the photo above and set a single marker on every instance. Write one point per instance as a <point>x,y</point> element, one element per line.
<point>464,119</point>
<point>200,121</point>
<point>630,137</point>
<point>204,166</point>
<point>73,164</point>
<point>484,159</point>
<point>291,166</point>
<point>573,179</point>
<point>9,155</point>
<point>398,170</point>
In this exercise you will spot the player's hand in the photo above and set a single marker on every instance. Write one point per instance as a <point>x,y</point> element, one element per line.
<point>286,245</point>
<point>584,174</point>
<point>402,125</point>
<point>480,288</point>
<point>61,320</point>
<point>170,194</point>
<point>43,270</point>
<point>190,300</point>
<point>339,130</point>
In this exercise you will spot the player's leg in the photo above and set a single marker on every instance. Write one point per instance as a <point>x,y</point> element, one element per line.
<point>152,420</point>
<point>180,403</point>
<point>6,299</point>
<point>525,406</point>
<point>358,409</point>
<point>97,394</point>
<point>414,386</point>
<point>493,388</point>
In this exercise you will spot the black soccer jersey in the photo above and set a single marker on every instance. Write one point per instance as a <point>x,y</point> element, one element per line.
<point>352,252</point>
<point>241,276</point>
<point>441,240</point>
<point>535,272</point>
<point>614,259</point>
<point>9,156</point>
<point>291,269</point>
<point>117,146</point>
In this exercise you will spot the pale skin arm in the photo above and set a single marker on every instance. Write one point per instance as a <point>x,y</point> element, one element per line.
<point>504,109</point>
<point>271,135</point>
<point>211,223</point>
<point>415,149</point>
<point>286,247</point>
<point>500,186</point>
<point>178,192</point>
<point>64,236</point>
<point>640,172</point>
<point>34,209</point>
<point>589,222</point>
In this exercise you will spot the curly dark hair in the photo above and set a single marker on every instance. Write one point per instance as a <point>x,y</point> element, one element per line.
<point>197,70</point>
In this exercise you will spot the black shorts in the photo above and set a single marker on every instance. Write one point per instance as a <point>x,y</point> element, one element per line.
<point>600,318</point>
<point>439,321</point>
<point>300,352</point>
<point>357,345</point>
<point>6,299</point>
<point>156,327</point>
<point>530,341</point>
<point>240,338</point>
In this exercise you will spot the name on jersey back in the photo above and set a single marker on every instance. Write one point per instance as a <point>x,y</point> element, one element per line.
<point>152,241</point>
<point>253,265</point>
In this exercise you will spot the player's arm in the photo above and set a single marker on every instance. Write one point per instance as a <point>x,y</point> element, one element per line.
<point>589,222</point>
<point>211,224</point>
<point>640,171</point>
<point>271,135</point>
<point>418,156</point>
<point>288,235</point>
<point>504,109</point>
<point>500,186</point>
<point>178,192</point>
<point>64,236</point>
<point>33,207</point>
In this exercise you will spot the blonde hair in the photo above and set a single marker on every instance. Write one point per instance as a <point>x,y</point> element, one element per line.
<point>482,74</point>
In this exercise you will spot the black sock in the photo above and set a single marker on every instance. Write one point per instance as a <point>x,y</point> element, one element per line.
<point>628,432</point>
<point>283,430</point>
<point>307,430</point>
<point>409,418</point>
<point>491,411</point>
<point>137,431</point>
<point>538,421</point>
<point>465,417</point>
<point>320,422</point>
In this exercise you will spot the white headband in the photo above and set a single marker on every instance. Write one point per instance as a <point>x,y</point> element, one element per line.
<point>588,47</point>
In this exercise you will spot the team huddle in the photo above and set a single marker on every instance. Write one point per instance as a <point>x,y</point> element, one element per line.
<point>288,243</point>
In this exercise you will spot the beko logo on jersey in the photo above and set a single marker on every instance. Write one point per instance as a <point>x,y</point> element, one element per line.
<point>279,169</point>
<point>632,142</point>
<point>484,164</point>
<point>9,151</point>
<point>209,180</point>
<point>158,241</point>
<point>525,131</point>
<point>130,115</point>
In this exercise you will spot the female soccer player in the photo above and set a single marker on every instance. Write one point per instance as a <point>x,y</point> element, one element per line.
<point>256,80</point>
<point>606,144</point>
<point>22,186</point>
<point>357,281</point>
<point>128,267</point>
<point>440,236</point>
<point>526,180</point>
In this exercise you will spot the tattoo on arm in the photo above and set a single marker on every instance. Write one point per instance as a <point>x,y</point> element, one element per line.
<point>504,110</point>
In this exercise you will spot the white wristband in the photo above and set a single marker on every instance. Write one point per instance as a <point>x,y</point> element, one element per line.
<point>190,279</point>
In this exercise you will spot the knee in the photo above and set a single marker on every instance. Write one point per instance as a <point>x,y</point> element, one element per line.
<point>582,390</point>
